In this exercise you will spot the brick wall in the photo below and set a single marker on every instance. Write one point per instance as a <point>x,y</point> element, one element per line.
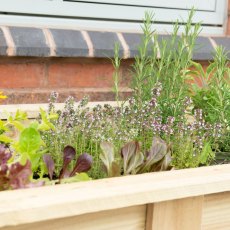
<point>30,80</point>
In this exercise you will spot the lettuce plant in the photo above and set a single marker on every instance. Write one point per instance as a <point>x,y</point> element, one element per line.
<point>15,175</point>
<point>83,164</point>
<point>133,161</point>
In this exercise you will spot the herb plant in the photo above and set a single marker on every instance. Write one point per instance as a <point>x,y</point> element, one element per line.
<point>165,124</point>
<point>212,95</point>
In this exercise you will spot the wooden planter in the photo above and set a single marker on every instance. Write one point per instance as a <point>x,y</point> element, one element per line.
<point>189,199</point>
<point>175,200</point>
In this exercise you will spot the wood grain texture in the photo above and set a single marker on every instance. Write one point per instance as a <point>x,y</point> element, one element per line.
<point>149,217</point>
<point>132,218</point>
<point>47,203</point>
<point>216,212</point>
<point>183,214</point>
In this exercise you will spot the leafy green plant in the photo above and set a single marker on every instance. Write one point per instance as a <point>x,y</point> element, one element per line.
<point>165,61</point>
<point>133,161</point>
<point>15,175</point>
<point>186,155</point>
<point>9,127</point>
<point>83,164</point>
<point>211,93</point>
<point>29,147</point>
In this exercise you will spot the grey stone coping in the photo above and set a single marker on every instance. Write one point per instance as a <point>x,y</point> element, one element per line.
<point>43,42</point>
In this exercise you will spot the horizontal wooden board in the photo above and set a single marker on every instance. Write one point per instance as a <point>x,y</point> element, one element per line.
<point>47,203</point>
<point>131,218</point>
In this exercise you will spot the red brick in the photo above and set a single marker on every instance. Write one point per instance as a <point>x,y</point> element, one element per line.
<point>24,79</point>
<point>80,75</point>
<point>22,75</point>
<point>41,96</point>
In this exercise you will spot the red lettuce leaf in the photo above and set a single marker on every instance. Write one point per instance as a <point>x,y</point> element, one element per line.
<point>84,164</point>
<point>49,162</point>
<point>4,180</point>
<point>69,154</point>
<point>5,155</point>
<point>132,157</point>
<point>20,176</point>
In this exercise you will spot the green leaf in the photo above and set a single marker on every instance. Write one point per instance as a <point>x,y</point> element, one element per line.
<point>5,139</point>
<point>18,125</point>
<point>45,124</point>
<point>35,158</point>
<point>34,125</point>
<point>20,116</point>
<point>77,178</point>
<point>53,116</point>
<point>29,140</point>
<point>43,127</point>
<point>199,68</point>
<point>206,154</point>
<point>210,68</point>
<point>3,126</point>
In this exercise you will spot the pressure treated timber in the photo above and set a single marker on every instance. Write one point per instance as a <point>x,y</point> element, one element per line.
<point>187,199</point>
<point>216,212</point>
<point>131,218</point>
<point>177,214</point>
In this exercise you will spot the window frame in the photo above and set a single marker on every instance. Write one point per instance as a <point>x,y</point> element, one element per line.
<point>78,14</point>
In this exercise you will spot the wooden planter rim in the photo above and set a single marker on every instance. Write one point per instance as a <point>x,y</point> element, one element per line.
<point>51,202</point>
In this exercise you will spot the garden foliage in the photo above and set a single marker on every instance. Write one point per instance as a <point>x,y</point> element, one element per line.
<point>168,122</point>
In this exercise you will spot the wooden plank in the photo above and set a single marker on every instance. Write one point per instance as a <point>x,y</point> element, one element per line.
<point>216,212</point>
<point>46,203</point>
<point>131,218</point>
<point>180,214</point>
<point>149,217</point>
